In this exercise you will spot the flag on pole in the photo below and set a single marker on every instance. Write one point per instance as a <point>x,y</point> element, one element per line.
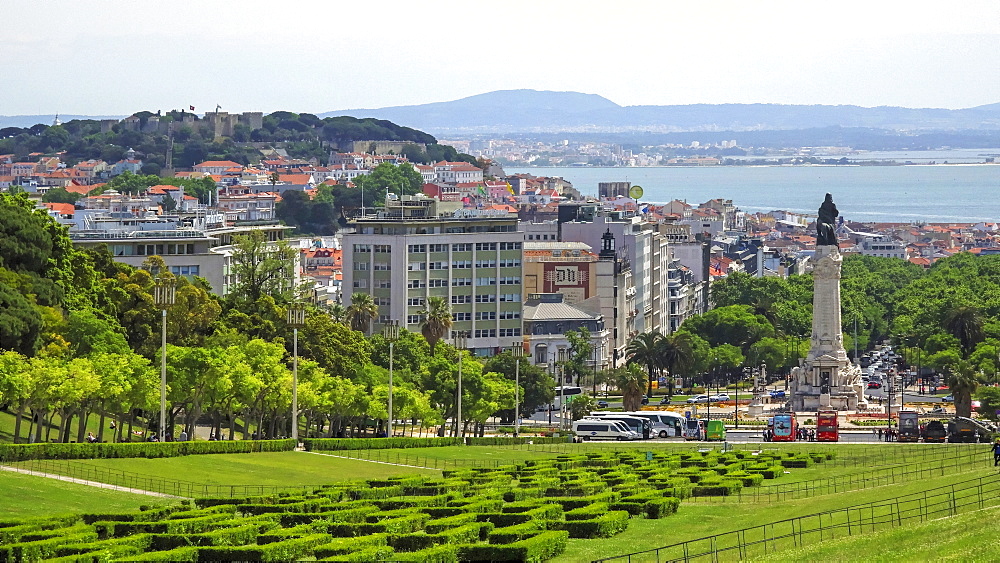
<point>192,108</point>
<point>510,188</point>
<point>481,189</point>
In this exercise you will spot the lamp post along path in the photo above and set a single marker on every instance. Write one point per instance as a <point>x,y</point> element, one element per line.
<point>391,333</point>
<point>164,295</point>
<point>517,350</point>
<point>296,319</point>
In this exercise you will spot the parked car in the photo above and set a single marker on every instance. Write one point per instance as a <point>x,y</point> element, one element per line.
<point>778,394</point>
<point>602,404</point>
<point>949,398</point>
<point>699,399</point>
<point>719,398</point>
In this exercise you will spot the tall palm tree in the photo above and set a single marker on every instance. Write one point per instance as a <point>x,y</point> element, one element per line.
<point>629,380</point>
<point>965,323</point>
<point>437,321</point>
<point>362,312</point>
<point>338,312</point>
<point>644,350</point>
<point>962,383</point>
<point>675,353</point>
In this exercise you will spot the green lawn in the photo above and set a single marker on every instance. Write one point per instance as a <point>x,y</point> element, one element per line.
<point>279,469</point>
<point>696,520</point>
<point>25,495</point>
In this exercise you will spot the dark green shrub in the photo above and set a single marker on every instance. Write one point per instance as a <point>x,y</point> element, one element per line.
<point>19,452</point>
<point>545,545</point>
<point>333,444</point>
<point>511,534</point>
<point>179,554</point>
<point>444,553</point>
<point>658,508</point>
<point>610,524</point>
<point>288,550</point>
<point>348,545</point>
<point>797,462</point>
<point>378,553</point>
<point>442,524</point>
<point>587,512</point>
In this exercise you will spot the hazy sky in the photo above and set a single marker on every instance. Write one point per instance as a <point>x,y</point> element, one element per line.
<point>116,57</point>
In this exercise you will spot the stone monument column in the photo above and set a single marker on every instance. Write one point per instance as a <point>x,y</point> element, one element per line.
<point>827,378</point>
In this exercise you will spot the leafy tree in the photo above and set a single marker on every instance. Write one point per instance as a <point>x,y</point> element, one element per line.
<point>337,349</point>
<point>362,312</point>
<point>21,322</point>
<point>676,352</point>
<point>644,350</point>
<point>582,406</point>
<point>963,383</point>
<point>965,323</point>
<point>989,402</point>
<point>579,355</point>
<point>437,320</point>
<point>734,324</point>
<point>261,268</point>
<point>538,387</point>
<point>60,195</point>
<point>630,381</point>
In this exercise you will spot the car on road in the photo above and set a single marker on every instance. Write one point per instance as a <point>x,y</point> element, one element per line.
<point>722,397</point>
<point>698,399</point>
<point>777,394</point>
<point>602,404</point>
<point>948,398</point>
<point>874,385</point>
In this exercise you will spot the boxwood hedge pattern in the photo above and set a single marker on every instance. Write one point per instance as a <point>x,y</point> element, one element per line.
<point>524,512</point>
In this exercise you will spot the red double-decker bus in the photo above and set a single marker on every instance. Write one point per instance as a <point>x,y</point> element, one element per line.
<point>784,428</point>
<point>827,428</point>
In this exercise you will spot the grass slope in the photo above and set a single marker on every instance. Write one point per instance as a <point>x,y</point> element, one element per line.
<point>966,537</point>
<point>25,495</point>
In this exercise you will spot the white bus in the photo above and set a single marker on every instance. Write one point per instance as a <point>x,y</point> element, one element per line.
<point>666,424</point>
<point>565,393</point>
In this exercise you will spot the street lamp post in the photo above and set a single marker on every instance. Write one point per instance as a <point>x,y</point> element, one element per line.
<point>164,295</point>
<point>391,334</point>
<point>517,350</point>
<point>461,340</point>
<point>296,320</point>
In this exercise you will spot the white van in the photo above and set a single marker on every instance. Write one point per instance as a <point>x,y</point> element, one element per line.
<point>596,429</point>
<point>666,424</point>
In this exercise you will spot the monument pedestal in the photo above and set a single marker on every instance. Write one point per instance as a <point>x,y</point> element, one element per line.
<point>827,379</point>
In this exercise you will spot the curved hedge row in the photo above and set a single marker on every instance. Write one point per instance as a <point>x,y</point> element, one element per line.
<point>335,444</point>
<point>21,452</point>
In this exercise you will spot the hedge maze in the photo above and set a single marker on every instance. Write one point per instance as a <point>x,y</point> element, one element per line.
<point>522,512</point>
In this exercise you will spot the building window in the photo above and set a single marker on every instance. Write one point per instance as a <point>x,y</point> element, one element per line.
<point>510,297</point>
<point>485,333</point>
<point>461,264</point>
<point>361,266</point>
<point>480,246</point>
<point>510,263</point>
<point>359,248</point>
<point>382,266</point>
<point>486,316</point>
<point>510,281</point>
<point>413,319</point>
<point>185,270</point>
<point>360,283</point>
<point>510,332</point>
<point>385,248</point>
<point>383,284</point>
<point>461,247</point>
<point>415,302</point>
<point>507,315</point>
<point>438,247</point>
<point>486,281</point>
<point>510,246</point>
<point>461,282</point>
<point>486,298</point>
<point>461,299</point>
<point>417,248</point>
<point>486,263</point>
<point>437,283</point>
<point>415,284</point>
<point>437,265</point>
<point>459,317</point>
<point>416,266</point>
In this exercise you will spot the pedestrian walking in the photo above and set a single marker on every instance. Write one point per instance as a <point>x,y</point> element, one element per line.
<point>996,452</point>
<point>880,434</point>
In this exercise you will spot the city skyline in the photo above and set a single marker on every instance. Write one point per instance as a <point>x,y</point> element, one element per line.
<point>114,58</point>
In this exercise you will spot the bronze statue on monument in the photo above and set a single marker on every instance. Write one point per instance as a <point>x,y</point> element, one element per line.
<point>826,224</point>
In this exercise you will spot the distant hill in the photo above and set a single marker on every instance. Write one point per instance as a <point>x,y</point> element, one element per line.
<point>29,120</point>
<point>508,111</point>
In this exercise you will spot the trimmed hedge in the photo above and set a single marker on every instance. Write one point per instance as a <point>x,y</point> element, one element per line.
<point>445,553</point>
<point>335,444</point>
<point>380,553</point>
<point>658,508</point>
<point>288,550</point>
<point>21,452</point>
<point>179,554</point>
<point>347,545</point>
<point>545,545</point>
<point>610,524</point>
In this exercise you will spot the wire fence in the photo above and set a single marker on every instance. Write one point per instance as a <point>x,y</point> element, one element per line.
<point>959,459</point>
<point>758,541</point>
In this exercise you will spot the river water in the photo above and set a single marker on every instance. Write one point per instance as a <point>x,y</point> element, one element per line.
<point>918,193</point>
